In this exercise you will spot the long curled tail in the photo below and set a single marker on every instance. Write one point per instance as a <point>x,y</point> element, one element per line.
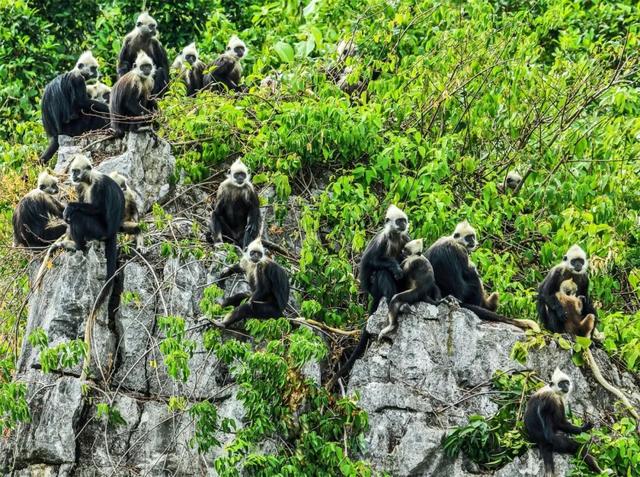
<point>51,150</point>
<point>488,315</point>
<point>365,336</point>
<point>111,254</point>
<point>595,369</point>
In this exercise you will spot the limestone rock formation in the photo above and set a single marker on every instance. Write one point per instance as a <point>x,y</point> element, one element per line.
<point>435,375</point>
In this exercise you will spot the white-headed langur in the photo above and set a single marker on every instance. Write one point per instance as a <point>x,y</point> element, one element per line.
<point>66,106</point>
<point>132,105</point>
<point>574,266</point>
<point>418,284</point>
<point>227,69</point>
<point>98,215</point>
<point>99,92</point>
<point>511,182</point>
<point>269,285</point>
<point>380,272</point>
<point>547,425</point>
<point>236,215</point>
<point>457,277</point>
<point>131,221</point>
<point>190,69</point>
<point>37,219</point>
<point>144,37</point>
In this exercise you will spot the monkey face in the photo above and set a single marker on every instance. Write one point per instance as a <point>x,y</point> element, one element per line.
<point>88,71</point>
<point>49,186</point>
<point>255,255</point>
<point>191,59</point>
<point>239,177</point>
<point>147,28</point>
<point>398,224</point>
<point>236,47</point>
<point>512,182</point>
<point>467,240</point>
<point>564,386</point>
<point>80,173</point>
<point>577,264</point>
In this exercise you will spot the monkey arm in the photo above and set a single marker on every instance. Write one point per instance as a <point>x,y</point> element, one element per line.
<point>234,269</point>
<point>565,426</point>
<point>85,208</point>
<point>548,291</point>
<point>253,221</point>
<point>124,60</point>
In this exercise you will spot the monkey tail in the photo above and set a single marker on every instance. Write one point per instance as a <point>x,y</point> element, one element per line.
<point>595,369</point>
<point>51,149</point>
<point>488,315</point>
<point>365,336</point>
<point>111,254</point>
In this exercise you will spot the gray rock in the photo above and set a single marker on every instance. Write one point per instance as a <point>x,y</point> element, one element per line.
<point>436,373</point>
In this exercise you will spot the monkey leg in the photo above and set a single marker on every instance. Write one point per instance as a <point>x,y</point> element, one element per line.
<point>131,228</point>
<point>566,445</point>
<point>85,227</point>
<point>53,231</point>
<point>235,300</point>
<point>383,286</point>
<point>586,326</point>
<point>252,310</point>
<point>491,301</point>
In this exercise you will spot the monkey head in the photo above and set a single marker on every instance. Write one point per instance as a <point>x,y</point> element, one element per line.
<point>575,260</point>
<point>239,174</point>
<point>346,48</point>
<point>513,180</point>
<point>119,179</point>
<point>569,287</point>
<point>99,92</point>
<point>396,221</point>
<point>48,183</point>
<point>414,247</point>
<point>80,170</point>
<point>561,384</point>
<point>466,236</point>
<point>87,66</point>
<point>237,47</point>
<point>144,66</point>
<point>190,54</point>
<point>146,25</point>
<point>255,251</point>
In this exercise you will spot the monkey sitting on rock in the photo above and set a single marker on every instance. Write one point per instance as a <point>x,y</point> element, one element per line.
<point>547,426</point>
<point>227,69</point>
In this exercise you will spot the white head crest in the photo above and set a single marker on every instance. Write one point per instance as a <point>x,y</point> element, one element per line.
<point>466,235</point>
<point>414,247</point>
<point>87,65</point>
<point>561,383</point>
<point>144,65</point>
<point>576,259</point>
<point>237,47</point>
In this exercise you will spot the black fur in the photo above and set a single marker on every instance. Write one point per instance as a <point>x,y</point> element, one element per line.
<point>194,78</point>
<point>545,423</point>
<point>152,47</point>
<point>99,218</point>
<point>224,71</point>
<point>380,272</point>
<point>129,100</point>
<point>67,109</point>
<point>236,215</point>
<point>269,293</point>
<point>32,225</point>
<point>550,311</point>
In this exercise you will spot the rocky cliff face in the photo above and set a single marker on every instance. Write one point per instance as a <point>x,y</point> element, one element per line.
<point>415,389</point>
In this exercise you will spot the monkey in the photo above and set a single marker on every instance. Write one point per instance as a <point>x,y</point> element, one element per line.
<point>37,219</point>
<point>269,284</point>
<point>131,220</point>
<point>193,74</point>
<point>131,102</point>
<point>144,37</point>
<point>572,305</point>
<point>574,266</point>
<point>227,69</point>
<point>236,215</point>
<point>457,276</point>
<point>270,83</point>
<point>66,107</point>
<point>380,273</point>
<point>546,424</point>
<point>418,284</point>
<point>511,182</point>
<point>339,72</point>
<point>99,214</point>
<point>99,92</point>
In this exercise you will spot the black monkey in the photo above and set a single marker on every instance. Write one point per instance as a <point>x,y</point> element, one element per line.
<point>66,107</point>
<point>37,219</point>
<point>418,284</point>
<point>545,422</point>
<point>131,103</point>
<point>99,92</point>
<point>190,68</point>
<point>144,37</point>
<point>236,215</point>
<point>457,277</point>
<point>269,287</point>
<point>574,266</point>
<point>99,214</point>
<point>227,70</point>
<point>380,272</point>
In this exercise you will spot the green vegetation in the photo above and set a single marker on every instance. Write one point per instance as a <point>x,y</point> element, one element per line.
<point>467,91</point>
